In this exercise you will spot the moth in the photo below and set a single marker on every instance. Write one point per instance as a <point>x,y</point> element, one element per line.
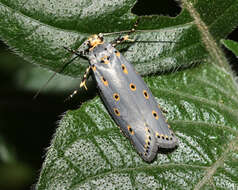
<point>127,98</point>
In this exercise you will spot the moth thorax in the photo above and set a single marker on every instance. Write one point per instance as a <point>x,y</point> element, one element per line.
<point>94,41</point>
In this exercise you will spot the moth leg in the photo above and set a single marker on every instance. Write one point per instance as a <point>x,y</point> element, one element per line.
<point>85,76</point>
<point>83,82</point>
<point>124,38</point>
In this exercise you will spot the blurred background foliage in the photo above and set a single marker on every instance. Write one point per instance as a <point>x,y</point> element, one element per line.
<point>24,119</point>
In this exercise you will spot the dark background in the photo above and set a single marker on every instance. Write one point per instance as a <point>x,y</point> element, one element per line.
<point>27,125</point>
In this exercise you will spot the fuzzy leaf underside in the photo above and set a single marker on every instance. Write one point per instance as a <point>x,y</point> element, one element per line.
<point>191,81</point>
<point>34,33</point>
<point>89,152</point>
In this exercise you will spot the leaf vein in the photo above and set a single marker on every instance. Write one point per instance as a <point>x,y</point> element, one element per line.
<point>219,163</point>
<point>233,112</point>
<point>222,90</point>
<point>149,167</point>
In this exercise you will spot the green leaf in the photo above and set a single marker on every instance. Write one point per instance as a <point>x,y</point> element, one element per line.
<point>28,77</point>
<point>194,85</point>
<point>12,169</point>
<point>231,45</point>
<point>7,154</point>
<point>33,78</point>
<point>38,31</point>
<point>89,152</point>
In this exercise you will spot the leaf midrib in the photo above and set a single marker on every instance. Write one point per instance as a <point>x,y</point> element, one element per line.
<point>211,45</point>
<point>148,167</point>
<point>210,171</point>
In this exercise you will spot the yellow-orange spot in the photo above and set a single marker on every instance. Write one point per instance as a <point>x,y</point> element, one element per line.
<point>130,130</point>
<point>104,81</point>
<point>168,126</point>
<point>147,130</point>
<point>105,60</point>
<point>124,68</point>
<point>147,141</point>
<point>157,134</point>
<point>154,113</point>
<point>118,54</point>
<point>162,136</point>
<point>117,112</point>
<point>116,97</point>
<point>132,87</point>
<point>146,95</point>
<point>159,106</point>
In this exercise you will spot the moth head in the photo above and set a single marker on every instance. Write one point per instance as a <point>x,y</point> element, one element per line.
<point>94,41</point>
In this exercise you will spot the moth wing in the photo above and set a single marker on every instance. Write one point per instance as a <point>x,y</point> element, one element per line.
<point>150,110</point>
<point>123,93</point>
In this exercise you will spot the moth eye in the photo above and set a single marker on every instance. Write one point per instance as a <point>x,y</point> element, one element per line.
<point>154,113</point>
<point>124,69</point>
<point>104,81</point>
<point>146,95</point>
<point>117,112</point>
<point>116,97</point>
<point>132,87</point>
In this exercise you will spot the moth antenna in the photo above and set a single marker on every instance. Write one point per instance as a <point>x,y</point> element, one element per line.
<point>53,75</point>
<point>141,41</point>
<point>44,85</point>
